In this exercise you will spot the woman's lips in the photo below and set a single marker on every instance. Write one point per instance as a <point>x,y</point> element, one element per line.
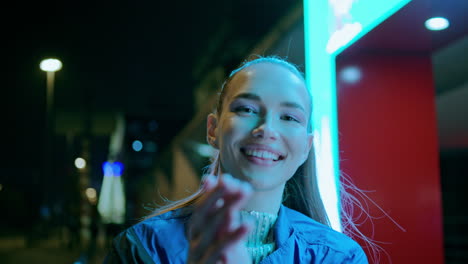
<point>262,155</point>
<point>260,161</point>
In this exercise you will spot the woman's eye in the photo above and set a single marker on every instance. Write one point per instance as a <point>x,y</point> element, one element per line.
<point>290,118</point>
<point>245,110</point>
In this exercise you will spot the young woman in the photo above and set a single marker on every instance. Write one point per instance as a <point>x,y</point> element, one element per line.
<point>259,203</point>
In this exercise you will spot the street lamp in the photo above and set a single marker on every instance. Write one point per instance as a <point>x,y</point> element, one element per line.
<point>50,66</point>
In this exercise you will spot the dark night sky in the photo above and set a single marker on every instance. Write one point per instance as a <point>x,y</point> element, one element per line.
<point>130,56</point>
<point>138,57</point>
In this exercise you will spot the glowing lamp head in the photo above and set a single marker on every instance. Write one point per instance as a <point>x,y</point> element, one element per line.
<point>437,23</point>
<point>50,65</point>
<point>80,163</point>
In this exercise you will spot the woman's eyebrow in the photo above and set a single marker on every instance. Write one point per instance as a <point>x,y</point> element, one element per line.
<point>252,96</point>
<point>293,105</point>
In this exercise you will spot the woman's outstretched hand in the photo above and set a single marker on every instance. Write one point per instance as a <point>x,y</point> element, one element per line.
<point>215,233</point>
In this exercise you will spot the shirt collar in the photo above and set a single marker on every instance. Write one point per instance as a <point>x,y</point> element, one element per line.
<point>283,229</point>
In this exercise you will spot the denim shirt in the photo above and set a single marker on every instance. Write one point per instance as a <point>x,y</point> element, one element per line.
<point>299,239</point>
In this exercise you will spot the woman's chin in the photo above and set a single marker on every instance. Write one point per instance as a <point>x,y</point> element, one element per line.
<point>260,181</point>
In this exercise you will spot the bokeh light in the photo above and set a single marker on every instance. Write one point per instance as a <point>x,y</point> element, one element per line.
<point>80,163</point>
<point>437,23</point>
<point>91,193</point>
<point>137,145</point>
<point>350,74</point>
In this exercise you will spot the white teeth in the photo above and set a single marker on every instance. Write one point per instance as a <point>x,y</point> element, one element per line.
<point>262,154</point>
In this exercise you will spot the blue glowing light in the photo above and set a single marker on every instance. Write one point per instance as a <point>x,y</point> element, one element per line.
<point>111,203</point>
<point>137,145</point>
<point>112,168</point>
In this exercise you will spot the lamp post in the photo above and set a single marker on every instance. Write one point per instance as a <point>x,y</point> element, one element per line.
<point>50,66</point>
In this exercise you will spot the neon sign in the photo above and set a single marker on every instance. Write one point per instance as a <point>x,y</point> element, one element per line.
<point>330,26</point>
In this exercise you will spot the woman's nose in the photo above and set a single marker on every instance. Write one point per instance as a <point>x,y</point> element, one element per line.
<point>265,129</point>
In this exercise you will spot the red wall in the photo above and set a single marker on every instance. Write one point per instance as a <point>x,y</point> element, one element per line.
<point>388,145</point>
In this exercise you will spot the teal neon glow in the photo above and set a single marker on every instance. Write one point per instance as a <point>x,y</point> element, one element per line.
<point>334,24</point>
<point>369,14</point>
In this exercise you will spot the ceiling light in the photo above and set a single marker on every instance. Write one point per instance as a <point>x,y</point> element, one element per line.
<point>437,23</point>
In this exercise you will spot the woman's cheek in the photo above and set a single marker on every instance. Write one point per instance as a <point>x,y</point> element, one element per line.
<point>245,124</point>
<point>297,137</point>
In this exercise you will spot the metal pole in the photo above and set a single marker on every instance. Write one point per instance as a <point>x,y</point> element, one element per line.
<point>49,137</point>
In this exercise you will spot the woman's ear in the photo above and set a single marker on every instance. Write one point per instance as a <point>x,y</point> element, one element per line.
<point>211,129</point>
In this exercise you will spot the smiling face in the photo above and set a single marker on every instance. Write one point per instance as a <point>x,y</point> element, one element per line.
<point>261,132</point>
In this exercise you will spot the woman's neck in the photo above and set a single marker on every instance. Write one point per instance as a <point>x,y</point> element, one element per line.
<point>266,201</point>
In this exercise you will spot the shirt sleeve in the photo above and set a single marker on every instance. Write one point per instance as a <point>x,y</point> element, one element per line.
<point>357,256</point>
<point>354,255</point>
<point>127,248</point>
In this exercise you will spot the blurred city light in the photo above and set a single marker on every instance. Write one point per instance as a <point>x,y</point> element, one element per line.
<point>204,150</point>
<point>437,23</point>
<point>137,145</point>
<point>80,163</point>
<point>1,187</point>
<point>112,168</point>
<point>50,65</point>
<point>111,205</point>
<point>350,74</point>
<point>150,146</point>
<point>91,195</point>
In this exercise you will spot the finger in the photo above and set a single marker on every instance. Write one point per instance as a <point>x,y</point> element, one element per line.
<point>237,194</point>
<point>204,207</point>
<point>210,222</point>
<point>222,220</point>
<point>217,188</point>
<point>214,192</point>
<point>232,221</point>
<point>243,189</point>
<point>208,182</point>
<point>216,225</point>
